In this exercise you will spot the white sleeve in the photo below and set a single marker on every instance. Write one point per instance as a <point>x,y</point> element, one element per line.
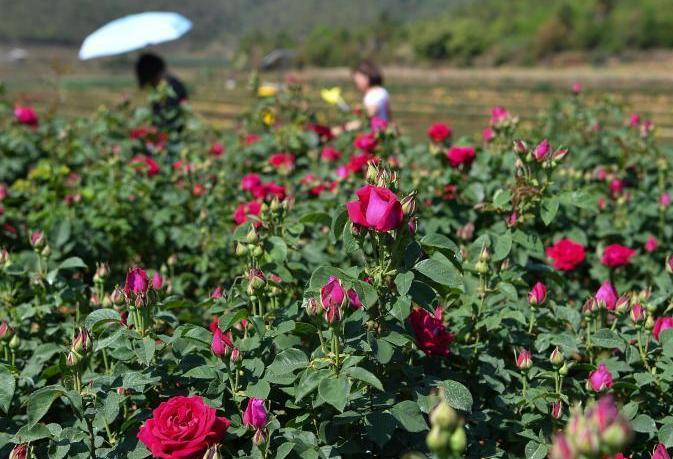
<point>377,97</point>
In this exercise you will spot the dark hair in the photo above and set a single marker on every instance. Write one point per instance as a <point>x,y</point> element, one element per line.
<point>149,68</point>
<point>371,71</point>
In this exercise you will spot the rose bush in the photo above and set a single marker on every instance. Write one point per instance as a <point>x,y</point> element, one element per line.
<point>294,294</point>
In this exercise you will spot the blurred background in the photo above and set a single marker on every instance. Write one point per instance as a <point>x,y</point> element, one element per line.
<point>447,60</point>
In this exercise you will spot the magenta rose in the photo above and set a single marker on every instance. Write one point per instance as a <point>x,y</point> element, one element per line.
<point>431,334</point>
<point>333,297</point>
<point>660,452</point>
<point>538,294</point>
<point>439,132</point>
<point>606,296</point>
<point>600,379</point>
<point>182,428</point>
<point>460,155</point>
<point>26,116</point>
<point>566,253</point>
<point>662,323</point>
<point>255,414</point>
<point>377,208</point>
<point>137,281</point>
<point>616,255</point>
<point>365,142</point>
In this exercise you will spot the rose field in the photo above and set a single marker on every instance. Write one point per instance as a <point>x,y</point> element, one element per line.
<point>170,289</point>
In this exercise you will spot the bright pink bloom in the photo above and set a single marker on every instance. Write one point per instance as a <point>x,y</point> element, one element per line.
<point>282,161</point>
<point>576,87</point>
<point>665,199</point>
<point>637,313</point>
<point>378,124</point>
<point>359,162</point>
<point>251,138</point>
<point>660,452</point>
<point>431,334</point>
<point>333,297</point>
<point>377,208</point>
<point>566,253</point>
<point>255,414</point>
<point>217,293</point>
<point>354,299</point>
<point>460,155</point>
<point>606,296</point>
<point>556,409</point>
<point>19,452</point>
<point>651,244</point>
<point>538,294</point>
<point>616,255</point>
<point>488,134</point>
<point>661,324</point>
<point>439,132</point>
<point>542,150</point>
<point>600,379</point>
<point>243,211</point>
<point>499,115</point>
<point>26,116</point>
<point>157,281</point>
<point>366,142</point>
<point>616,187</point>
<point>182,428</point>
<point>634,120</point>
<point>137,281</point>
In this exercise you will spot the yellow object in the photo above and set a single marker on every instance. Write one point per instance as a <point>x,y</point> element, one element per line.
<point>268,117</point>
<point>267,90</point>
<point>332,95</point>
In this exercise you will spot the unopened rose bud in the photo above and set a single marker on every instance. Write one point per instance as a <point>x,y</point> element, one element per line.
<point>259,438</point>
<point>622,304</point>
<point>213,453</point>
<point>669,264</point>
<point>413,225</point>
<point>37,239</point>
<point>121,391</point>
<point>444,416</point>
<point>72,359</point>
<point>252,235</point>
<point>6,332</point>
<point>520,146</point>
<point>589,306</point>
<point>82,342</point>
<point>4,258</point>
<point>372,173</point>
<point>118,296</point>
<point>409,204</point>
<point>649,323</point>
<point>557,358</point>
<point>484,255</point>
<point>563,371</point>
<point>102,271</point>
<point>481,267</point>
<point>241,249</point>
<point>157,281</point>
<point>172,260</point>
<point>637,313</point>
<point>19,452</point>
<point>438,440</point>
<point>256,279</point>
<point>46,251</point>
<point>537,295</point>
<point>235,355</point>
<point>312,306</point>
<point>14,342</point>
<point>275,205</point>
<point>524,360</point>
<point>556,409</point>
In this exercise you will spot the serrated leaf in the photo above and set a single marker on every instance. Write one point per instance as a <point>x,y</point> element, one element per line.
<point>365,376</point>
<point>409,415</point>
<point>441,273</point>
<point>335,391</point>
<point>7,388</point>
<point>457,395</point>
<point>608,339</point>
<point>288,361</point>
<point>101,316</point>
<point>41,400</point>
<point>502,246</point>
<point>548,209</point>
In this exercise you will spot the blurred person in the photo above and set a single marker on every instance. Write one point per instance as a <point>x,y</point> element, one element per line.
<point>151,72</point>
<point>368,80</point>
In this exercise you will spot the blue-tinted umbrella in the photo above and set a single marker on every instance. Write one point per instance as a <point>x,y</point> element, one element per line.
<point>134,32</point>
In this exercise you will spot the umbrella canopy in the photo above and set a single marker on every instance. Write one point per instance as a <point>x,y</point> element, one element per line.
<point>134,32</point>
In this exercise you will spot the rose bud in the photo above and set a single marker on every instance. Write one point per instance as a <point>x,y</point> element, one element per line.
<point>354,299</point>
<point>557,358</point>
<point>556,409</point>
<point>637,313</point>
<point>520,146</point>
<point>312,307</point>
<point>458,441</point>
<point>444,416</point>
<point>6,331</point>
<point>541,151</point>
<point>622,304</point>
<point>409,204</point>
<point>589,306</point>
<point>413,225</point>
<point>256,279</point>
<point>649,323</point>
<point>15,342</point>
<point>600,379</point>
<point>255,415</point>
<point>438,439</point>
<point>72,359</point>
<point>82,342</point>
<point>537,295</point>
<point>235,354</point>
<point>524,360</point>
<point>19,452</point>
<point>117,296</point>
<point>606,296</point>
<point>137,282</point>
<point>259,438</point>
<point>4,258</point>
<point>37,239</point>
<point>157,281</point>
<point>102,271</point>
<point>660,452</point>
<point>669,264</point>
<point>213,453</point>
<point>221,344</point>
<point>333,297</point>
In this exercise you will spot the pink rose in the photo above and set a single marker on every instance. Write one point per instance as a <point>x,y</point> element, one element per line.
<point>499,115</point>
<point>378,124</point>
<point>366,142</point>
<point>600,379</point>
<point>524,359</point>
<point>661,324</point>
<point>137,281</point>
<point>26,116</point>
<point>439,132</point>
<point>606,296</point>
<point>637,313</point>
<point>255,414</point>
<point>182,428</point>
<point>487,135</point>
<point>651,244</point>
<point>354,299</point>
<point>566,253</point>
<point>616,255</point>
<point>377,208</point>
<point>282,161</point>
<point>576,87</point>
<point>19,452</point>
<point>541,152</point>
<point>665,199</point>
<point>330,154</point>
<point>660,452</point>
<point>431,334</point>
<point>460,155</point>
<point>333,297</point>
<point>157,281</point>
<point>243,211</point>
<point>216,150</point>
<point>538,294</point>
<point>222,343</point>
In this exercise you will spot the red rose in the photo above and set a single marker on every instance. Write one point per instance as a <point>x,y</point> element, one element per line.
<point>282,161</point>
<point>566,253</point>
<point>431,335</point>
<point>616,255</point>
<point>216,150</point>
<point>365,142</point>
<point>137,281</point>
<point>439,132</point>
<point>460,155</point>
<point>377,208</point>
<point>182,428</point>
<point>330,154</point>
<point>322,131</point>
<point>244,210</point>
<point>358,163</point>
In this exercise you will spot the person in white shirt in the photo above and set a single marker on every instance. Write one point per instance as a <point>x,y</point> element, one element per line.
<point>368,80</point>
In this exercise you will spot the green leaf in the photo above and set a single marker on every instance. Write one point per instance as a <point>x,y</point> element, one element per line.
<point>322,218</point>
<point>644,424</point>
<point>201,372</point>
<point>283,450</point>
<point>535,450</point>
<point>145,351</point>
<point>288,362</point>
<point>501,198</point>
<point>350,243</point>
<point>579,198</point>
<point>401,308</point>
<point>439,241</point>
<point>259,390</point>
<point>403,282</point>
<point>457,395</point>
<point>503,245</point>
<point>666,435</point>
<point>382,349</point>
<point>548,209</point>
<point>335,391</point>
<point>380,427</point>
<point>71,263</point>
<point>409,415</point>
<point>101,316</point>
<point>442,273</point>
<point>608,338</point>
<point>41,400</point>
<point>32,432</point>
<point>227,321</point>
<point>7,388</point>
<point>278,252</point>
<point>365,376</point>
